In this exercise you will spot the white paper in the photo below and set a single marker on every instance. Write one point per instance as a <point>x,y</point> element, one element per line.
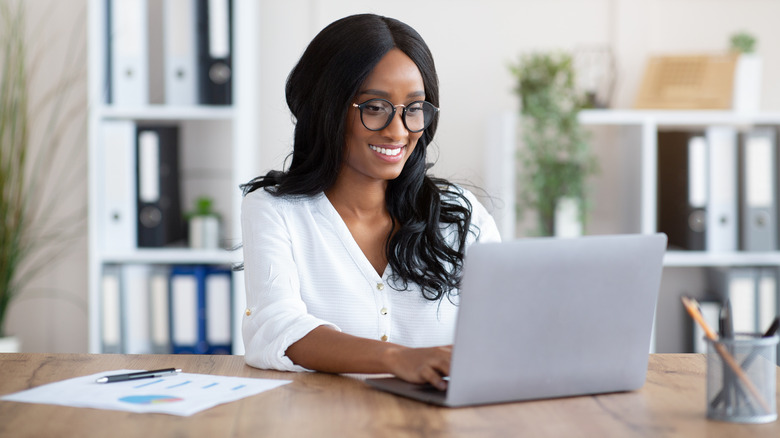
<point>182,394</point>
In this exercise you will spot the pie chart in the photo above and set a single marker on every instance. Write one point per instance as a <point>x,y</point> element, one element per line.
<point>150,399</point>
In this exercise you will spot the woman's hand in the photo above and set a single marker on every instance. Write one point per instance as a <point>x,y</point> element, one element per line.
<point>421,365</point>
<point>328,350</point>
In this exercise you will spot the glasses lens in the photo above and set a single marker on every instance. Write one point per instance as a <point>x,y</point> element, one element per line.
<point>376,114</point>
<point>419,115</point>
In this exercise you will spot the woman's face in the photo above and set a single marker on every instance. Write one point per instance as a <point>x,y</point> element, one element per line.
<point>381,155</point>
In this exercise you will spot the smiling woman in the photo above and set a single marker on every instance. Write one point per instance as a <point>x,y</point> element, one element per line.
<point>353,254</point>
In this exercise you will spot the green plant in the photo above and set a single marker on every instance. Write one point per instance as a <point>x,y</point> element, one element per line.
<point>743,42</point>
<point>39,217</point>
<point>203,207</point>
<point>556,158</point>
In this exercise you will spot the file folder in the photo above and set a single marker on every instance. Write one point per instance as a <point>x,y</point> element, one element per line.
<point>135,309</point>
<point>710,311</point>
<point>739,285</point>
<point>767,297</point>
<point>180,52</point>
<point>116,202</point>
<point>218,311</point>
<point>187,313</point>
<point>682,188</point>
<point>110,314</point>
<point>722,217</point>
<point>128,52</point>
<point>160,220</point>
<point>159,309</point>
<point>758,178</point>
<point>215,61</point>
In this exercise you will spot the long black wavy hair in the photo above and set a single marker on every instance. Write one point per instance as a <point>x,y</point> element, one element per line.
<point>427,210</point>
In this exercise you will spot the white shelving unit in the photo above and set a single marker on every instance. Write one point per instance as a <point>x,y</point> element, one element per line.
<point>685,271</point>
<point>644,125</point>
<point>624,195</point>
<point>220,140</point>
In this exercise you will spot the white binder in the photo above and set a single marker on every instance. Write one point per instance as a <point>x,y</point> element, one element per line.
<point>117,186</point>
<point>135,306</point>
<point>159,309</point>
<point>129,52</point>
<point>722,219</point>
<point>739,285</point>
<point>758,195</point>
<point>218,311</point>
<point>181,52</point>
<point>767,298</point>
<point>110,310</point>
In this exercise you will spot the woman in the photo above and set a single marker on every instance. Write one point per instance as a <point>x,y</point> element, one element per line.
<point>353,255</point>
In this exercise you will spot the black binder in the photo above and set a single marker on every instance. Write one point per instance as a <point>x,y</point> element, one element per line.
<point>215,48</point>
<point>682,221</point>
<point>160,219</point>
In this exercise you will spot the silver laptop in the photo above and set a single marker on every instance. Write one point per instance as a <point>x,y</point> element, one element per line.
<point>544,318</point>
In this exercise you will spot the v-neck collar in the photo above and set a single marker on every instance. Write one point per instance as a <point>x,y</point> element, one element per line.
<point>340,227</point>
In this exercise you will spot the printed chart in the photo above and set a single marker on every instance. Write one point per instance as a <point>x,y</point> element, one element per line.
<point>180,394</point>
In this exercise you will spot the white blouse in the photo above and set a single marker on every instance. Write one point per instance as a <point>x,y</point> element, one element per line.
<point>303,269</point>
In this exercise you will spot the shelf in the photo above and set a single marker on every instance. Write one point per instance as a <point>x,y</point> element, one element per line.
<point>708,259</point>
<point>167,112</point>
<point>174,256</point>
<point>676,118</point>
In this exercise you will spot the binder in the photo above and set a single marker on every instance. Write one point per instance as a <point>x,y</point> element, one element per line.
<point>218,310</point>
<point>116,202</point>
<point>159,309</point>
<point>135,309</point>
<point>180,52</point>
<point>740,286</point>
<point>722,216</point>
<point>767,298</point>
<point>110,310</point>
<point>215,60</point>
<point>758,190</point>
<point>710,311</point>
<point>128,52</point>
<point>187,312</point>
<point>682,189</point>
<point>160,221</point>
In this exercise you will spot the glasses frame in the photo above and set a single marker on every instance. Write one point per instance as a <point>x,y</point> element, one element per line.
<point>360,107</point>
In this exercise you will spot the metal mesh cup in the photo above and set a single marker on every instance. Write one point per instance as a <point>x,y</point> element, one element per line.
<point>741,379</point>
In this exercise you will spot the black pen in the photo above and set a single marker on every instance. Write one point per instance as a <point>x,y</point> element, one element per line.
<point>139,375</point>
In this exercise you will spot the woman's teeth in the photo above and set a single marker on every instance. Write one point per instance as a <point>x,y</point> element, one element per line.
<point>384,151</point>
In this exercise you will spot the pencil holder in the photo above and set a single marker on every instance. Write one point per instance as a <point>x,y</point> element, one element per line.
<point>741,379</point>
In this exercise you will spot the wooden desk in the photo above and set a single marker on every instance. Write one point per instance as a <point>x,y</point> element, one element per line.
<point>671,403</point>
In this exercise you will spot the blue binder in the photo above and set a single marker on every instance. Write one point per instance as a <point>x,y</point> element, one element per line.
<point>200,306</point>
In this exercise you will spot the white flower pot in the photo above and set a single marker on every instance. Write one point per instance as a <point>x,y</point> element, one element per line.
<point>204,232</point>
<point>10,344</point>
<point>747,84</point>
<point>567,218</point>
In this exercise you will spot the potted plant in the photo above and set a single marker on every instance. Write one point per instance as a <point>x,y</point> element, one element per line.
<point>32,140</point>
<point>555,158</point>
<point>203,224</point>
<point>747,74</point>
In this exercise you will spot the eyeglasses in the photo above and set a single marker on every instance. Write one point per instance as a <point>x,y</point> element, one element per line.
<point>376,114</point>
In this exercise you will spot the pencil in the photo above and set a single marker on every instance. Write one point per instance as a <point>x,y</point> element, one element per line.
<point>692,306</point>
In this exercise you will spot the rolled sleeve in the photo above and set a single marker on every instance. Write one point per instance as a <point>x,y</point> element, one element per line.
<point>276,315</point>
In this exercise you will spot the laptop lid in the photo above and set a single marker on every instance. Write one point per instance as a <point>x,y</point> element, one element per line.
<point>547,317</point>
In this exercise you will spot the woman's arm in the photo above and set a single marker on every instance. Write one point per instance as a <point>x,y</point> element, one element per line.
<point>328,350</point>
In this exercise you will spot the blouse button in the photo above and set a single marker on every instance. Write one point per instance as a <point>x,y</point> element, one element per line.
<point>384,338</point>
<point>380,286</point>
<point>383,311</point>
<point>248,311</point>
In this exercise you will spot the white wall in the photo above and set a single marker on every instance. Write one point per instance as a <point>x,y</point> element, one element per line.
<point>473,41</point>
<point>51,314</point>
